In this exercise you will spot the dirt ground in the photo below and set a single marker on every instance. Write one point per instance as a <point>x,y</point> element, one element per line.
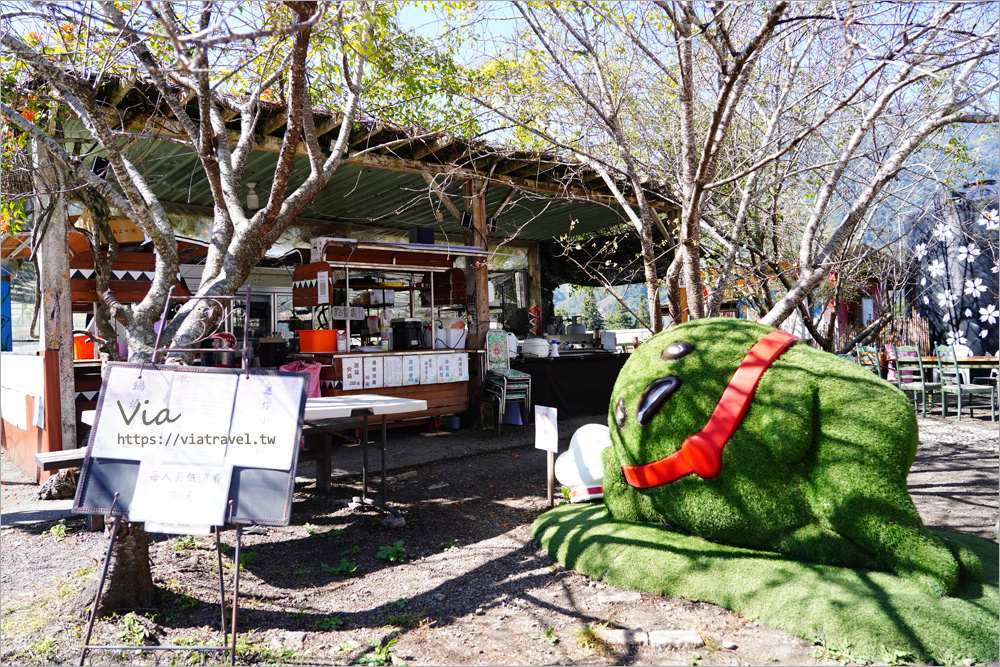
<point>469,586</point>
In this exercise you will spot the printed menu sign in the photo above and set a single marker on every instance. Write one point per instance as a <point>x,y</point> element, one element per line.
<point>134,411</point>
<point>264,420</point>
<point>188,495</point>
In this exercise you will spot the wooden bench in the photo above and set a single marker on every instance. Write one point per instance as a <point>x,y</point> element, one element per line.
<point>67,458</point>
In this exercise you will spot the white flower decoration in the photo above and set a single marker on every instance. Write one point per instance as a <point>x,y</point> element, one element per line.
<point>923,281</point>
<point>955,338</point>
<point>968,312</point>
<point>975,288</point>
<point>990,219</point>
<point>946,318</point>
<point>946,298</point>
<point>936,268</point>
<point>968,253</point>
<point>943,232</point>
<point>995,269</point>
<point>984,333</point>
<point>920,250</point>
<point>989,314</point>
<point>926,300</point>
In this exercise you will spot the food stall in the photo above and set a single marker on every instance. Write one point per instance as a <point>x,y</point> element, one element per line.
<point>390,319</point>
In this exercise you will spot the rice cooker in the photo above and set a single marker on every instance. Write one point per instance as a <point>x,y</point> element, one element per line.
<point>535,347</point>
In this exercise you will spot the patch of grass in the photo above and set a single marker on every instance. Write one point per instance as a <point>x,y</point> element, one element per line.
<point>394,553</point>
<point>134,631</point>
<point>247,559</point>
<point>185,543</point>
<point>345,567</point>
<point>874,615</point>
<point>250,649</point>
<point>588,639</point>
<point>299,571</point>
<point>549,637</point>
<point>353,551</point>
<point>59,530</point>
<point>42,649</point>
<point>399,604</point>
<point>346,647</point>
<point>330,623</point>
<point>448,545</point>
<point>314,531</point>
<point>381,654</point>
<point>408,620</point>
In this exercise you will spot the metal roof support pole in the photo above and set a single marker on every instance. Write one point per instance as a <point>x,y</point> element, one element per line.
<point>56,307</point>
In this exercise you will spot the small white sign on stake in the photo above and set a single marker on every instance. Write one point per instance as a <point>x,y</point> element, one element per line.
<point>546,428</point>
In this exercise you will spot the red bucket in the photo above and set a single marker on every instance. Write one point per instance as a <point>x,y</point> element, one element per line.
<point>317,340</point>
<point>83,347</point>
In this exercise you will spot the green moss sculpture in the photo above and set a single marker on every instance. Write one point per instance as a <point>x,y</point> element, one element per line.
<point>817,469</point>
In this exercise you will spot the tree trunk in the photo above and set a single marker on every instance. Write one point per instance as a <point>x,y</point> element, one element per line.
<point>130,583</point>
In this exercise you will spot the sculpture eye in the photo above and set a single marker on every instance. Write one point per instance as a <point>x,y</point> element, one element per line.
<point>676,351</point>
<point>620,414</point>
<point>654,396</point>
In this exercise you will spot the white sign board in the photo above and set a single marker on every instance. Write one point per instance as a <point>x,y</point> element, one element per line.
<point>182,431</point>
<point>322,288</point>
<point>264,419</point>
<point>180,494</point>
<point>546,428</point>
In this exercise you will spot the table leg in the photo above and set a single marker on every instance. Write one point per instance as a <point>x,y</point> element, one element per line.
<point>364,461</point>
<point>382,447</point>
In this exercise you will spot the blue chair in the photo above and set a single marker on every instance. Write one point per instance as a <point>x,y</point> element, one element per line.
<point>951,383</point>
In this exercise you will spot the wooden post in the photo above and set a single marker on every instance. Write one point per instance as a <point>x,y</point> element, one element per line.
<point>535,281</point>
<point>480,306</point>
<point>55,306</point>
<point>550,459</point>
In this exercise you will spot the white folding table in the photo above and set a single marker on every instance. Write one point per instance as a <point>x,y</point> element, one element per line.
<point>359,407</point>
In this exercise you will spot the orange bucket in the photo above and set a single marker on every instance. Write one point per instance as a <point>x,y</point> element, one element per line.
<point>83,347</point>
<point>317,340</point>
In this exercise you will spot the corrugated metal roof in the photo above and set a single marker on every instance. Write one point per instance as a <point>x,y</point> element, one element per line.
<point>373,196</point>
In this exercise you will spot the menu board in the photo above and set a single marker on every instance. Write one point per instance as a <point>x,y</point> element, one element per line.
<point>411,370</point>
<point>352,373</point>
<point>201,405</point>
<point>428,369</point>
<point>460,372</point>
<point>168,442</point>
<point>132,412</point>
<point>444,366</point>
<point>265,415</point>
<point>180,494</point>
<point>373,372</point>
<point>392,371</point>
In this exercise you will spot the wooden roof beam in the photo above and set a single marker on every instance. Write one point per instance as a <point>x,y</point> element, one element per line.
<point>433,147</point>
<point>274,123</point>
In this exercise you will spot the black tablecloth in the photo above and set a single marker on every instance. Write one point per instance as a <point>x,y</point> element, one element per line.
<point>577,385</point>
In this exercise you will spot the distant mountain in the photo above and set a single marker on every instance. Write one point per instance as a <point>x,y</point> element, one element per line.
<point>565,298</point>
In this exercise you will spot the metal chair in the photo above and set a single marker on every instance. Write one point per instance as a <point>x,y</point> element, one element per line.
<point>868,358</point>
<point>502,383</point>
<point>913,378</point>
<point>951,383</point>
